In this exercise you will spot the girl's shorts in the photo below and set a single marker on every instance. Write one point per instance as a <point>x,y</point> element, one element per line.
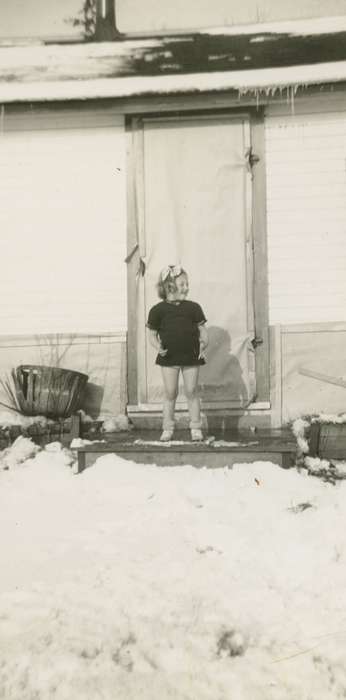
<point>179,366</point>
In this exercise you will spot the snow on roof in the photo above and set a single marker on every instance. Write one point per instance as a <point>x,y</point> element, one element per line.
<point>303,27</point>
<point>255,82</point>
<point>257,59</point>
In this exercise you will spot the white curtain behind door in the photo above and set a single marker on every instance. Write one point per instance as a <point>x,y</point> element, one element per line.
<point>196,214</point>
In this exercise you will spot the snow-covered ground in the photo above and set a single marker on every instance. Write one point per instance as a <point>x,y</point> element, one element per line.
<point>131,581</point>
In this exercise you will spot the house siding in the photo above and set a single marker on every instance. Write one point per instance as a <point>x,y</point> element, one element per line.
<point>62,222</point>
<point>306,212</point>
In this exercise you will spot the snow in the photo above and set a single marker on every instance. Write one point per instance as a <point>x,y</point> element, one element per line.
<point>21,450</point>
<point>8,418</point>
<point>300,27</point>
<point>131,581</point>
<point>208,441</point>
<point>299,427</point>
<point>335,418</point>
<point>265,81</point>
<point>114,424</point>
<point>80,442</point>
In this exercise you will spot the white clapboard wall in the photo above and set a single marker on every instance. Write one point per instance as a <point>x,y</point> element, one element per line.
<point>62,222</point>
<point>306,210</point>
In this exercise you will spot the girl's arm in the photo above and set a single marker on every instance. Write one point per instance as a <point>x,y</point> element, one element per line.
<point>203,339</point>
<point>154,340</point>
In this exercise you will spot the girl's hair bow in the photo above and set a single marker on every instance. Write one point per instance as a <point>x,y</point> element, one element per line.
<point>171,271</point>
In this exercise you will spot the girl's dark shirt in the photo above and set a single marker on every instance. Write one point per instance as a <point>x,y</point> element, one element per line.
<point>177,327</point>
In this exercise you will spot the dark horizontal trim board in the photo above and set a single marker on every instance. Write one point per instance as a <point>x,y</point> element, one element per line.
<point>280,450</point>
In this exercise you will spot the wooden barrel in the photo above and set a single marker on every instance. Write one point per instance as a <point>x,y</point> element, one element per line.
<point>331,441</point>
<point>48,391</point>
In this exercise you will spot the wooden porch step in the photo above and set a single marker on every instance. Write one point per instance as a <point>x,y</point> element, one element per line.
<point>220,452</point>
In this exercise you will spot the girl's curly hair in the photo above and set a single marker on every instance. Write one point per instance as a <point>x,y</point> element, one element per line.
<point>168,285</point>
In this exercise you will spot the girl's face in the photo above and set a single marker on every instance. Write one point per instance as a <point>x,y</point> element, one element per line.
<point>182,288</point>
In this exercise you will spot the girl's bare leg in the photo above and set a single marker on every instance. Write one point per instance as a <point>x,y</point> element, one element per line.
<point>190,376</point>
<point>170,378</point>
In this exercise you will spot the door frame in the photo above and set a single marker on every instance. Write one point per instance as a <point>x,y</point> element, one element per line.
<point>258,243</point>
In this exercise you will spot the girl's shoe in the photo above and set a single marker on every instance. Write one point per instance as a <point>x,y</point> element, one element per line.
<point>196,435</point>
<point>166,435</point>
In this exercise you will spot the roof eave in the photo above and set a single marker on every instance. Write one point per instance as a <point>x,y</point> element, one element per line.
<point>266,82</point>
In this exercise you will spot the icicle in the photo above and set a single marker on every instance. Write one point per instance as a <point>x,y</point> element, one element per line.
<point>294,90</point>
<point>287,92</point>
<point>271,91</point>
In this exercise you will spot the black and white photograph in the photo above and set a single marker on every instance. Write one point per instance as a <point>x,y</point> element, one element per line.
<point>172,350</point>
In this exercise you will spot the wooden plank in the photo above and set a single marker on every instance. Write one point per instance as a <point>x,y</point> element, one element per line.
<point>248,225</point>
<point>123,389</point>
<point>30,392</point>
<point>65,339</point>
<point>55,117</point>
<point>327,327</point>
<point>198,459</point>
<point>332,444</point>
<point>322,377</point>
<point>267,445</point>
<point>140,283</point>
<point>276,375</point>
<point>15,116</point>
<point>227,99</point>
<point>314,439</point>
<point>75,426</point>
<point>260,259</point>
<point>188,101</point>
<point>334,430</point>
<point>333,453</point>
<point>81,463</point>
<point>288,460</point>
<point>310,104</point>
<point>132,265</point>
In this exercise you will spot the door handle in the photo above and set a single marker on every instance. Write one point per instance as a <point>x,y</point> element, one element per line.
<point>256,341</point>
<point>251,159</point>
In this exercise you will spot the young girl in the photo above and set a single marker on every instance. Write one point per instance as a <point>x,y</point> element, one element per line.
<point>178,333</point>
